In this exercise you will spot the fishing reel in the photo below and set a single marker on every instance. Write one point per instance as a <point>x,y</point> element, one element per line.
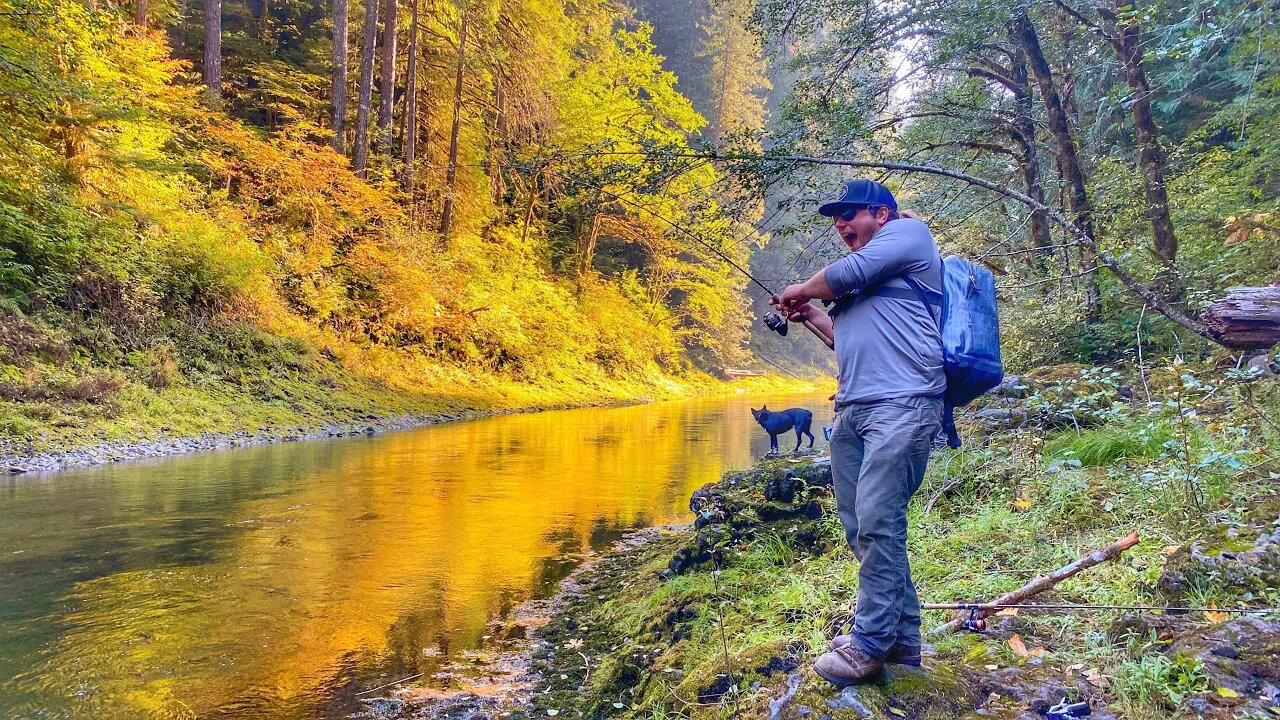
<point>776,323</point>
<point>974,622</point>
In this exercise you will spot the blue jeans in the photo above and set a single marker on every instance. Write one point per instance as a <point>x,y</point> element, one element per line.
<point>879,451</point>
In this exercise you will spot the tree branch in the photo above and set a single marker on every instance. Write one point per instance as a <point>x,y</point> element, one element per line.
<point>1089,23</point>
<point>1164,308</point>
<point>1013,87</point>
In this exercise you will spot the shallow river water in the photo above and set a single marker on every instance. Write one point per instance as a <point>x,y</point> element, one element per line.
<point>278,581</point>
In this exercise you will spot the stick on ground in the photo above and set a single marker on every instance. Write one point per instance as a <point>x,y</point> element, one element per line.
<point>1040,584</point>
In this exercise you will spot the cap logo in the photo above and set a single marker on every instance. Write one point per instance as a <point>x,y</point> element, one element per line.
<point>844,192</point>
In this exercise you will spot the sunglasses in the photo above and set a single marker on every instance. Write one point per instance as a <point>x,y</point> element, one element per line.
<point>850,214</point>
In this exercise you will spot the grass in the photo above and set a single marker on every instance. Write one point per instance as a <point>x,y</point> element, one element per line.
<point>1001,512</point>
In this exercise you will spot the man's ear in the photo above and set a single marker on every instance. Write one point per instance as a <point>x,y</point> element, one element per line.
<point>882,214</point>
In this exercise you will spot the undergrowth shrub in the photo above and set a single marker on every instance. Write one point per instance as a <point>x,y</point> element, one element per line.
<point>1108,444</point>
<point>1155,680</point>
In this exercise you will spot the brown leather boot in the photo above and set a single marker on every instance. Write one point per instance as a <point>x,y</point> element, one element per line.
<point>847,665</point>
<point>899,654</point>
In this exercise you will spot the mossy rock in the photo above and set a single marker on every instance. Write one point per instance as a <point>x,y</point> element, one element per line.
<point>934,692</point>
<point>766,664</point>
<point>1237,557</point>
<point>1055,373</point>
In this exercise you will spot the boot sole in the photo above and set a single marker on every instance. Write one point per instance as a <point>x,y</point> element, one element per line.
<point>845,682</point>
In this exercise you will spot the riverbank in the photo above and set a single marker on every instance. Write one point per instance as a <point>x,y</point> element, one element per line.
<point>723,618</point>
<point>142,422</point>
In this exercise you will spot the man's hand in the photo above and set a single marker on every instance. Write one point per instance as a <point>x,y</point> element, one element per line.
<point>798,313</point>
<point>794,303</point>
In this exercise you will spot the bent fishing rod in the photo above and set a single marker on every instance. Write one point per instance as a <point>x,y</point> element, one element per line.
<point>774,321</point>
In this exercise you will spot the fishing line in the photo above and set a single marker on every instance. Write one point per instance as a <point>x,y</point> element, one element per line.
<point>694,236</point>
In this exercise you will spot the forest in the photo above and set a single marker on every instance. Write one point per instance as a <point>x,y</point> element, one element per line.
<point>255,209</point>
<point>204,201</point>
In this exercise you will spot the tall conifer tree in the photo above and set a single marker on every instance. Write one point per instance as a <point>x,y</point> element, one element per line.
<point>361,160</point>
<point>338,85</point>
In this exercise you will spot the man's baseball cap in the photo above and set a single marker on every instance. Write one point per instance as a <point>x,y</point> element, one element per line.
<point>859,193</point>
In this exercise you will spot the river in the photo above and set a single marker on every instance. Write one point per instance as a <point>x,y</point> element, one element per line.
<point>278,581</point>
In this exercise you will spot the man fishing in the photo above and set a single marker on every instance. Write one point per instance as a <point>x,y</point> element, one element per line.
<point>888,409</point>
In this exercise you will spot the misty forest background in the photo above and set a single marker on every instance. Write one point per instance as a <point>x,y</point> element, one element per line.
<point>246,213</point>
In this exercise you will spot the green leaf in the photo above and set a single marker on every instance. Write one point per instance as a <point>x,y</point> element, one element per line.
<point>1228,692</point>
<point>896,711</point>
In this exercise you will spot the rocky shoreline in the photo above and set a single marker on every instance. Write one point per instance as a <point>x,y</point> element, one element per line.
<point>628,633</point>
<point>16,459</point>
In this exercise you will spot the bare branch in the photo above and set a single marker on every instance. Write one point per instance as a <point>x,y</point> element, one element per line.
<point>1129,281</point>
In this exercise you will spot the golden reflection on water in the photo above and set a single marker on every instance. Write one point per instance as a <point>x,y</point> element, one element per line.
<point>277,582</point>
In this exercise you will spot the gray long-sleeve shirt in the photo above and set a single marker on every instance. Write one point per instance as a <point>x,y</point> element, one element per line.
<point>888,347</point>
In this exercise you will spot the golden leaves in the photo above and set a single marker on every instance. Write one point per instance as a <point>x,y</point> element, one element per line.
<point>1244,227</point>
<point>1020,648</point>
<point>1213,615</point>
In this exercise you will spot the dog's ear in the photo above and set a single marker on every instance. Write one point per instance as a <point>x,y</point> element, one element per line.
<point>754,411</point>
<point>763,408</point>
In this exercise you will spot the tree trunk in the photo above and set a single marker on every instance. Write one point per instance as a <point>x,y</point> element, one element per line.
<point>140,13</point>
<point>496,152</point>
<point>451,176</point>
<point>588,251</point>
<point>528,208</point>
<point>387,91</point>
<point>411,102</point>
<point>1144,125</point>
<point>338,85</point>
<point>264,20</point>
<point>361,160</point>
<point>1025,135</point>
<point>213,50</point>
<point>1068,158</point>
<point>1246,319</point>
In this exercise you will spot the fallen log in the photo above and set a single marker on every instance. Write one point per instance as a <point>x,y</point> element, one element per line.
<point>1037,586</point>
<point>733,374</point>
<point>1248,318</point>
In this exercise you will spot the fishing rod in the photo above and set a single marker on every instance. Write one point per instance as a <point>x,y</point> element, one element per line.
<point>975,623</point>
<point>1038,606</point>
<point>774,321</point>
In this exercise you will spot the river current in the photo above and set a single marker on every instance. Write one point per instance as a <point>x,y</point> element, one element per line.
<point>279,581</point>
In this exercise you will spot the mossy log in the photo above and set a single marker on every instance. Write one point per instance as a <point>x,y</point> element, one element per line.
<point>1248,318</point>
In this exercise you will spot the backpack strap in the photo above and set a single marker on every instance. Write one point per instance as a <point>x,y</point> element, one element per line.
<point>949,426</point>
<point>915,292</point>
<point>927,297</point>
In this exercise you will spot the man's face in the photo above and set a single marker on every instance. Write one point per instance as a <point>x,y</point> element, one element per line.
<point>857,226</point>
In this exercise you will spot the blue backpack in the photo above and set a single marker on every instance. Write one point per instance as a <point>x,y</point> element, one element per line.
<point>970,334</point>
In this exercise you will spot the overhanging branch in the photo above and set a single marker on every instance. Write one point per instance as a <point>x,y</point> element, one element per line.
<point>1137,288</point>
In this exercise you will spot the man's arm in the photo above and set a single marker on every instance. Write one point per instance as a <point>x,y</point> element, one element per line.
<point>900,247</point>
<point>798,296</point>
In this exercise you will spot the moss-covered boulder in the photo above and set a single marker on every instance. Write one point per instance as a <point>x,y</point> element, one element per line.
<point>1237,557</point>
<point>1242,661</point>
